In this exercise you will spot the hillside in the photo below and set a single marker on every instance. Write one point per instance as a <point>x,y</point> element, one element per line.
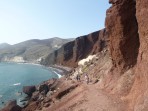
<point>31,50</point>
<point>70,53</point>
<point>4,45</point>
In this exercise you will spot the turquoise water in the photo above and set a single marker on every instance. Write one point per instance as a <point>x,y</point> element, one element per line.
<point>14,76</point>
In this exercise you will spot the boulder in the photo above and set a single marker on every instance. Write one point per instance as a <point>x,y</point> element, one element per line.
<point>41,98</point>
<point>51,82</point>
<point>94,81</point>
<point>65,91</point>
<point>12,106</point>
<point>43,88</point>
<point>47,100</point>
<point>29,90</point>
<point>31,106</point>
<point>46,105</point>
<point>35,96</point>
<point>49,93</point>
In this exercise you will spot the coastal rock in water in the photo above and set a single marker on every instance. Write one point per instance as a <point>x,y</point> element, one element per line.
<point>29,90</point>
<point>12,106</point>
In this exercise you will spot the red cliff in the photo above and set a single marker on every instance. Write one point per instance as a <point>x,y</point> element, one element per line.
<point>122,29</point>
<point>127,28</point>
<point>70,53</point>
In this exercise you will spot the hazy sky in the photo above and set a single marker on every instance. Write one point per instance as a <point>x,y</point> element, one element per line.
<point>41,19</point>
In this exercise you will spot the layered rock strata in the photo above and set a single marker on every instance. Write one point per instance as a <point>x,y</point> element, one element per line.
<point>122,29</point>
<point>139,93</point>
<point>70,53</point>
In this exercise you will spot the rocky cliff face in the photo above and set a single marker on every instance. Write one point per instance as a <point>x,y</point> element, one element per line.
<point>139,93</point>
<point>126,26</point>
<point>122,29</point>
<point>70,53</point>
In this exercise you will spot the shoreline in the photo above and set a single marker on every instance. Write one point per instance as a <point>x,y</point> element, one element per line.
<point>60,71</point>
<point>56,69</point>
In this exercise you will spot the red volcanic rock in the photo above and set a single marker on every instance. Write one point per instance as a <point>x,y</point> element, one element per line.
<point>43,88</point>
<point>115,1</point>
<point>70,53</point>
<point>139,93</point>
<point>29,90</point>
<point>122,30</point>
<point>126,26</point>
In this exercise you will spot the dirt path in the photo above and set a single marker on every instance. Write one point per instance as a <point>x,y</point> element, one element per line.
<point>88,98</point>
<point>97,100</point>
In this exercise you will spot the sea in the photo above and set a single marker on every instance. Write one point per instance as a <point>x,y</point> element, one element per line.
<point>13,76</point>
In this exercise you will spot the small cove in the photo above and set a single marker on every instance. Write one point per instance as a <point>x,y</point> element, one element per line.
<point>14,76</point>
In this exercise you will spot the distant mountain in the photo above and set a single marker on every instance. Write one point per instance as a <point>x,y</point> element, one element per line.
<point>4,45</point>
<point>31,50</point>
<point>70,53</point>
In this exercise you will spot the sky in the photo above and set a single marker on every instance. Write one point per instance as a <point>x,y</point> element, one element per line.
<point>22,20</point>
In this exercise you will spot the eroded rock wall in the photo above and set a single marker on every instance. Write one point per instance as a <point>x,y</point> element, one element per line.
<point>70,53</point>
<point>139,93</point>
<point>122,29</point>
<point>127,28</point>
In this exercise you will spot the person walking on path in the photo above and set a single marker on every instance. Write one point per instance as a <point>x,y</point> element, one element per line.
<point>86,78</point>
<point>78,77</point>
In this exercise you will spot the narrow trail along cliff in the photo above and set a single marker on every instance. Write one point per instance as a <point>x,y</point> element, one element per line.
<point>88,98</point>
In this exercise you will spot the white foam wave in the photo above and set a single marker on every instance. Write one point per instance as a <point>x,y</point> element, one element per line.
<point>17,84</point>
<point>57,74</point>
